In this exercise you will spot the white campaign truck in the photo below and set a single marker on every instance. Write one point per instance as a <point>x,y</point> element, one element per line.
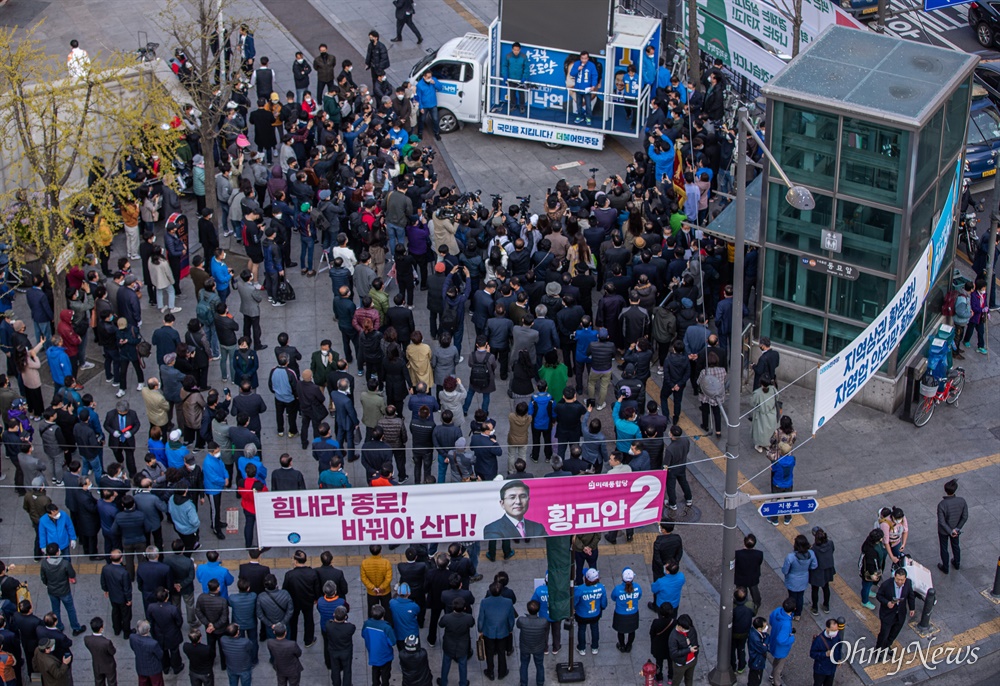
<point>474,91</point>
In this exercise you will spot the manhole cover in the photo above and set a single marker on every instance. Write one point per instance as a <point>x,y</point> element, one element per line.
<point>688,515</point>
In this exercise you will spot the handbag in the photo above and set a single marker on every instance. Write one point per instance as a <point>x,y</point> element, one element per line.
<point>481,648</point>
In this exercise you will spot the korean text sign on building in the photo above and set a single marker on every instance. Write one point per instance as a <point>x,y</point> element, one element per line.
<point>460,511</point>
<point>846,373</point>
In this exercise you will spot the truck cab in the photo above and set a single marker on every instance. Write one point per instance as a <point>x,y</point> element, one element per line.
<point>460,67</point>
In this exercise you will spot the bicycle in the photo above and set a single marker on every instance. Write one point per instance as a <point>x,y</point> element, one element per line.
<point>933,395</point>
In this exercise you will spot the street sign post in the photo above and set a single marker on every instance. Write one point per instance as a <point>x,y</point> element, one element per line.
<point>931,5</point>
<point>776,508</point>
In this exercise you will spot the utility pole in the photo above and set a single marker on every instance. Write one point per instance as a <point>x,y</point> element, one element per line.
<point>883,14</point>
<point>722,673</point>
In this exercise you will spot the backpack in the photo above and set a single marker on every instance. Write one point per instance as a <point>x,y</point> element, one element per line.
<point>18,412</point>
<point>319,219</point>
<point>204,313</point>
<point>713,388</point>
<point>251,236</point>
<point>359,228</point>
<point>480,375</point>
<point>948,306</point>
<point>449,318</point>
<point>285,292</point>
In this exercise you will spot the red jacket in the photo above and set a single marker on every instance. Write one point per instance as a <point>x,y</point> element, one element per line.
<point>71,341</point>
<point>246,494</point>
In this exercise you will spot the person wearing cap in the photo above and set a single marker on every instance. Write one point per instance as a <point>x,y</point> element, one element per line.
<point>589,603</point>
<point>625,621</point>
<point>54,670</point>
<point>404,613</point>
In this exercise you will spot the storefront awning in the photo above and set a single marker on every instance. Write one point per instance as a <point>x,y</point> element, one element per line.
<point>724,226</point>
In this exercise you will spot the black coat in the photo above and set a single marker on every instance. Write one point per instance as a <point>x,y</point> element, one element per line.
<point>302,583</point>
<point>377,57</point>
<point>166,622</point>
<point>254,573</point>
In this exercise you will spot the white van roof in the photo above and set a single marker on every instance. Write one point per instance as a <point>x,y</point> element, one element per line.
<point>471,46</point>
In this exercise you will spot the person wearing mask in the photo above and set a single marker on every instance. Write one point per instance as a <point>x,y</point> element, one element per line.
<point>827,652</point>
<point>683,646</point>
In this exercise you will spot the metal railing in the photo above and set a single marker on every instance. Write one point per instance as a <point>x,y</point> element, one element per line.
<point>620,114</point>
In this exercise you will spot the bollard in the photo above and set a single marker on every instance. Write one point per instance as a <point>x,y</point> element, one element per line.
<point>930,598</point>
<point>996,582</point>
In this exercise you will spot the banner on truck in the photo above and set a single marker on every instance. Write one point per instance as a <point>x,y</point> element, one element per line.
<point>843,376</point>
<point>480,510</point>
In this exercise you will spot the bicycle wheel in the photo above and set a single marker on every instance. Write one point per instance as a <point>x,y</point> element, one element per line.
<point>957,386</point>
<point>922,412</point>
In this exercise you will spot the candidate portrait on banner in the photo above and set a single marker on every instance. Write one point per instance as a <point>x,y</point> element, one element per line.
<point>514,500</point>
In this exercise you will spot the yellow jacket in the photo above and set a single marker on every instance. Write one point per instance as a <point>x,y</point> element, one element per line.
<point>376,572</point>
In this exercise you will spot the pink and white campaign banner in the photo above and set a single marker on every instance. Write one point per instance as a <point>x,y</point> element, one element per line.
<point>481,510</point>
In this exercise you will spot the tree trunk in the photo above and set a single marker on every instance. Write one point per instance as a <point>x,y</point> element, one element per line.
<point>694,54</point>
<point>796,26</point>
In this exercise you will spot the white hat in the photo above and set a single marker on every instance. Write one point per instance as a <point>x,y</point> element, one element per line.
<point>627,575</point>
<point>175,435</point>
<point>534,220</point>
<point>592,574</point>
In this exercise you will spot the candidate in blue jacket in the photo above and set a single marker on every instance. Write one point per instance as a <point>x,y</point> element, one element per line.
<point>584,73</point>
<point>514,69</point>
<point>427,89</point>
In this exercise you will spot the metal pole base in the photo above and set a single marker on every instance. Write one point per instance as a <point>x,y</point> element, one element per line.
<point>567,673</point>
<point>722,675</point>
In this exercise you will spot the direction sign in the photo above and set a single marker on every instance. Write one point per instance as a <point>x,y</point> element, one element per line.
<point>775,508</point>
<point>930,5</point>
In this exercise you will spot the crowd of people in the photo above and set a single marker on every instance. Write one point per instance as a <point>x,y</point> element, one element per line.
<point>610,285</point>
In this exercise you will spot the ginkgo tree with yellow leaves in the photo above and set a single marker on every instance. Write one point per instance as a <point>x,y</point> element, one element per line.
<point>68,139</point>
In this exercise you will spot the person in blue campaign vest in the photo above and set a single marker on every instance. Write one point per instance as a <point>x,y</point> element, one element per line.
<point>626,618</point>
<point>631,92</point>
<point>649,70</point>
<point>514,70</point>
<point>427,89</point>
<point>589,602</point>
<point>541,596</point>
<point>585,76</point>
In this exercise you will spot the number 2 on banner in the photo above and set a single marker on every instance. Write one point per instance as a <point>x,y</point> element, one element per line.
<point>641,511</point>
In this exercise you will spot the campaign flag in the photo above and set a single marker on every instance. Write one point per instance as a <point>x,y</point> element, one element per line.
<point>481,510</point>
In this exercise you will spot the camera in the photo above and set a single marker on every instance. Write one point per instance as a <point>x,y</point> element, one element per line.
<point>497,202</point>
<point>427,155</point>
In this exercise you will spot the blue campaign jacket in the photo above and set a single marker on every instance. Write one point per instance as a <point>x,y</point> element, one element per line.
<point>541,410</point>
<point>515,68</point>
<point>782,471</point>
<point>626,603</point>
<point>541,596</point>
<point>427,93</point>
<point>584,337</point>
<point>404,617</point>
<point>585,74</point>
<point>214,474</point>
<point>589,601</point>
<point>380,640</point>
